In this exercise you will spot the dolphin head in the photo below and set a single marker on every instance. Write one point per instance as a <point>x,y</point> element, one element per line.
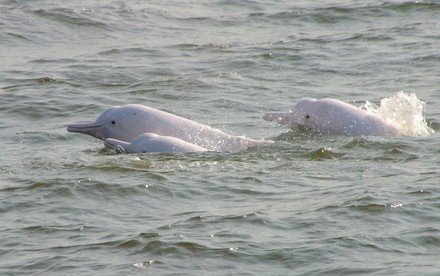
<point>306,113</point>
<point>120,122</point>
<point>117,145</point>
<point>302,114</point>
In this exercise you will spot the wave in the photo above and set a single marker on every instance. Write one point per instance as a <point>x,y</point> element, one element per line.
<point>405,111</point>
<point>336,13</point>
<point>68,16</point>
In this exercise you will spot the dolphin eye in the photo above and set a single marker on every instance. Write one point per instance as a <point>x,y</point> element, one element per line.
<point>113,122</point>
<point>307,116</point>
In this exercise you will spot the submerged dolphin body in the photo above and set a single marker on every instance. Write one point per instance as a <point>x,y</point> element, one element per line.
<point>150,142</point>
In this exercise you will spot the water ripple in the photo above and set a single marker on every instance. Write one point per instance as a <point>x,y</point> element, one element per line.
<point>68,16</point>
<point>307,204</point>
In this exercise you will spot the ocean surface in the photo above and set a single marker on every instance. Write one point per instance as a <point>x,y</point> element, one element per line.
<point>305,205</point>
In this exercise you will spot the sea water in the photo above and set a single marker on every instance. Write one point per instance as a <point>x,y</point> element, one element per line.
<point>304,205</point>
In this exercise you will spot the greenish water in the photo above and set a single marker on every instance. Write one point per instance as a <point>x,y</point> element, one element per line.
<point>305,205</point>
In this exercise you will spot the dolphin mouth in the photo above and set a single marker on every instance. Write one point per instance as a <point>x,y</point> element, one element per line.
<point>274,116</point>
<point>82,127</point>
<point>89,128</point>
<point>282,118</point>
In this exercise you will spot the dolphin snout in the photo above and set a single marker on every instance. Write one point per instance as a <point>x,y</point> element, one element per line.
<point>90,128</point>
<point>274,116</point>
<point>116,145</point>
<point>82,127</point>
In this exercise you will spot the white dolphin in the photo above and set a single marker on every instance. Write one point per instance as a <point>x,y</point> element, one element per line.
<point>333,117</point>
<point>150,142</point>
<point>127,122</point>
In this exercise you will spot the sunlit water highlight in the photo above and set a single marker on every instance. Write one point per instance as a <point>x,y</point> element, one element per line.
<point>405,111</point>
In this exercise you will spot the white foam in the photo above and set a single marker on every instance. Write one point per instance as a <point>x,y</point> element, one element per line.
<point>405,111</point>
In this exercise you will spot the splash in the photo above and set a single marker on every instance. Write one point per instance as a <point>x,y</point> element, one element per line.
<point>403,110</point>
